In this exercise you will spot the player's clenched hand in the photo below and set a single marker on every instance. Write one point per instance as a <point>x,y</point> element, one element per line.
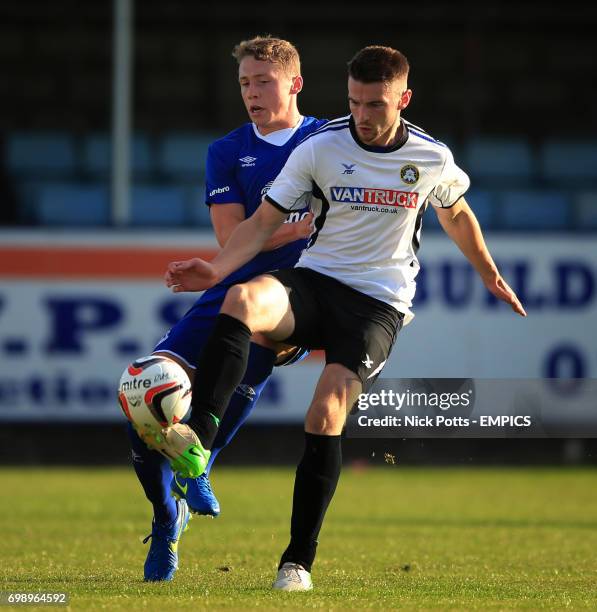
<point>305,227</point>
<point>499,287</point>
<point>190,275</point>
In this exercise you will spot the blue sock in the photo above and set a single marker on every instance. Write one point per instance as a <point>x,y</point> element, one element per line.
<point>155,475</point>
<point>244,398</point>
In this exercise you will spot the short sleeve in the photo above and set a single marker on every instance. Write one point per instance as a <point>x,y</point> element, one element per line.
<point>292,188</point>
<point>221,185</point>
<point>452,185</point>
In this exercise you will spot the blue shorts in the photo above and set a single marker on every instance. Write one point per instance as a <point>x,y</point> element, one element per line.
<point>186,339</point>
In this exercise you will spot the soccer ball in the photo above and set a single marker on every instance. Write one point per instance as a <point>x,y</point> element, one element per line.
<point>154,393</point>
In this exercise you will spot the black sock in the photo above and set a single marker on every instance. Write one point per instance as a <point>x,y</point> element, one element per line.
<point>316,479</point>
<point>220,368</point>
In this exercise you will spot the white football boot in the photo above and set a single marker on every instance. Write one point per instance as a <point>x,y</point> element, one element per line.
<point>293,577</point>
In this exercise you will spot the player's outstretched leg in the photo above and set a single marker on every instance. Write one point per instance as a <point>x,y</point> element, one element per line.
<point>197,491</point>
<point>154,473</point>
<point>162,558</point>
<point>169,517</point>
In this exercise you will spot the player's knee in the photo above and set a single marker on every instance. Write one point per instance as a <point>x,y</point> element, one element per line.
<point>265,342</point>
<point>246,302</point>
<point>237,301</point>
<point>325,417</point>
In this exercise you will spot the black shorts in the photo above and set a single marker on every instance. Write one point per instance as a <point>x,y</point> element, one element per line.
<point>354,329</point>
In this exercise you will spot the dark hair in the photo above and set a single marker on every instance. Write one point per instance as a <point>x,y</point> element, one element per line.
<point>376,63</point>
<point>268,48</point>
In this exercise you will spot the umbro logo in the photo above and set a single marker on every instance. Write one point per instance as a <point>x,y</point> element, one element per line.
<point>349,168</point>
<point>247,161</point>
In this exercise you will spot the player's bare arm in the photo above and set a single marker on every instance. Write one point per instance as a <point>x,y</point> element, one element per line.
<point>244,243</point>
<point>289,232</point>
<point>226,217</point>
<point>460,223</point>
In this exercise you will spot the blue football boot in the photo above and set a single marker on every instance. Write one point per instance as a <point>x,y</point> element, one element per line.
<point>162,558</point>
<point>197,493</point>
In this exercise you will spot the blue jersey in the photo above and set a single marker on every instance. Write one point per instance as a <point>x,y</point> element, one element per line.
<point>241,167</point>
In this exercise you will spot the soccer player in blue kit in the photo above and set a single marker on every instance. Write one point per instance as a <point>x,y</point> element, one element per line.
<point>241,166</point>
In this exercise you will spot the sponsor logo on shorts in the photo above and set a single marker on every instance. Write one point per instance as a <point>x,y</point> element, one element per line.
<point>409,174</point>
<point>368,363</point>
<point>224,189</point>
<point>374,196</point>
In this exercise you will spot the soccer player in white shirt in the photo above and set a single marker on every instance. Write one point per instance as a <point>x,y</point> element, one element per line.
<point>369,177</point>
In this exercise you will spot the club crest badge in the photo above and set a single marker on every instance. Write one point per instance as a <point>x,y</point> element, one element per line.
<point>409,174</point>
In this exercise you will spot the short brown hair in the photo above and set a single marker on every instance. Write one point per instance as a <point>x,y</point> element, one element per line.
<point>269,49</point>
<point>376,63</point>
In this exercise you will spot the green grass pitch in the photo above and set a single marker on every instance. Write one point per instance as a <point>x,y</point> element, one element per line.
<point>394,538</point>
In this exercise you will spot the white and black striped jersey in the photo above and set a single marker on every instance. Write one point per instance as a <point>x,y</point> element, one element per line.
<point>368,202</point>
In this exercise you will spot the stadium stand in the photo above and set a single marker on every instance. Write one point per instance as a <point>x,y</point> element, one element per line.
<point>72,204</point>
<point>551,186</point>
<point>158,206</point>
<point>534,209</point>
<point>586,210</point>
<point>97,156</point>
<point>40,154</point>
<point>498,108</point>
<point>183,156</point>
<point>564,161</point>
<point>198,211</point>
<point>493,160</point>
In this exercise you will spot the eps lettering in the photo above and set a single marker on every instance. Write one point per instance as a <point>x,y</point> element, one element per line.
<point>74,319</point>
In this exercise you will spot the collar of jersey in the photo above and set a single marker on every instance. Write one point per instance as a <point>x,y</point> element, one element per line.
<point>402,138</point>
<point>275,138</point>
